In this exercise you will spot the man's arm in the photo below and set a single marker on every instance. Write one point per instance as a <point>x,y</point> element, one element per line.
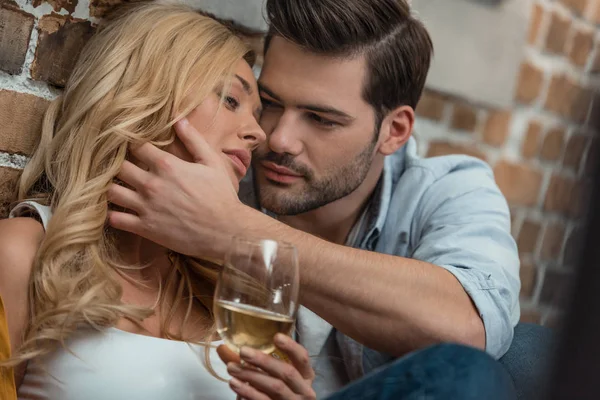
<point>461,283</point>
<point>387,303</point>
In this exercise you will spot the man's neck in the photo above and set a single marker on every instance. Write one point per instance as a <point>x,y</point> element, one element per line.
<point>334,221</point>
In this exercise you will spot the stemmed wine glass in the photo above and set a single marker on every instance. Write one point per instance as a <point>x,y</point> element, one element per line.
<point>256,295</point>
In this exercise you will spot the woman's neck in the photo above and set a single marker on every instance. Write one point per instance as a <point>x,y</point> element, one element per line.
<point>137,251</point>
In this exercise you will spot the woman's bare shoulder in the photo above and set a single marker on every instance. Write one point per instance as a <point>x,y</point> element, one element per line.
<point>19,241</point>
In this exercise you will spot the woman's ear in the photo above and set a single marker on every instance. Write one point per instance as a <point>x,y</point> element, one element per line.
<point>396,129</point>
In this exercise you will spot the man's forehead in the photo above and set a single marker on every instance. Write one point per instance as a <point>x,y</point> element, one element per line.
<point>290,68</point>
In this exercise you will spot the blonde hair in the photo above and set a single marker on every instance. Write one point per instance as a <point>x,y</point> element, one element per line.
<point>147,68</point>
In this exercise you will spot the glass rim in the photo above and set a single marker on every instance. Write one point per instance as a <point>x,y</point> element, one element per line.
<point>257,242</point>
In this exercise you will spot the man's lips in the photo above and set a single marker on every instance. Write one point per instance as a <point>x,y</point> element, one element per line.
<point>278,173</point>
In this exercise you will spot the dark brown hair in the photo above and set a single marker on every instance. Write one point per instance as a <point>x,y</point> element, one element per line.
<point>397,47</point>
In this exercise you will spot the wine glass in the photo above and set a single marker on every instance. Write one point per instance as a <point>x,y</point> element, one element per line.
<point>256,295</point>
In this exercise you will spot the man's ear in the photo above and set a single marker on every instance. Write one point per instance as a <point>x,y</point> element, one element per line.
<point>396,129</point>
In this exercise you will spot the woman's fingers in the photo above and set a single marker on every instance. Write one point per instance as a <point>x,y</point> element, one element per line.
<point>245,391</point>
<point>297,354</point>
<point>264,384</point>
<point>227,355</point>
<point>285,373</point>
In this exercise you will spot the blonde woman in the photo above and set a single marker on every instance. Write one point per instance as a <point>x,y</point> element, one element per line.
<point>98,314</point>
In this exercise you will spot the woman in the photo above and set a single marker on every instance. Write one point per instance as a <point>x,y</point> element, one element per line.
<point>99,314</point>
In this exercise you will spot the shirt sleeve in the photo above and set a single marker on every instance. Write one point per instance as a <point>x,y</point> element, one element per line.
<point>463,226</point>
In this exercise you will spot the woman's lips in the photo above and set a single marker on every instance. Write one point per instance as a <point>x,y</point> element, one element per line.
<point>238,164</point>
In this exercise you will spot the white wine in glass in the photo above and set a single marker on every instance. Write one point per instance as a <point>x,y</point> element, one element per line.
<point>257,293</point>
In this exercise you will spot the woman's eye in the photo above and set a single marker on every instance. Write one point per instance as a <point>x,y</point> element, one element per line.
<point>231,102</point>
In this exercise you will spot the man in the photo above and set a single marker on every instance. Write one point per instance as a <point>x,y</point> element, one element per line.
<point>397,252</point>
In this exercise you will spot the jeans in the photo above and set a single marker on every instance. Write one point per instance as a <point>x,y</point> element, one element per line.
<point>529,359</point>
<point>445,371</point>
<point>527,362</point>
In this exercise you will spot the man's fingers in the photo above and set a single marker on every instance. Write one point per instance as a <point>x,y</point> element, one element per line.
<point>284,372</point>
<point>125,222</point>
<point>153,157</point>
<point>297,355</point>
<point>133,175</point>
<point>125,197</point>
<point>274,388</point>
<point>227,355</point>
<point>195,144</point>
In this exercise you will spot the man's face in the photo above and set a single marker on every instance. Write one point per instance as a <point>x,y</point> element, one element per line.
<point>321,134</point>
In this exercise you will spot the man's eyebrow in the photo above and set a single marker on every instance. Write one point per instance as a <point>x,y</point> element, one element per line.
<point>326,110</point>
<point>263,88</point>
<point>309,107</point>
<point>245,85</point>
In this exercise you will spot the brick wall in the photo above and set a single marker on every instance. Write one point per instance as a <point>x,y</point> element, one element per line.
<point>542,148</point>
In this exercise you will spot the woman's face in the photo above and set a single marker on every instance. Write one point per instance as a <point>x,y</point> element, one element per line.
<point>231,129</point>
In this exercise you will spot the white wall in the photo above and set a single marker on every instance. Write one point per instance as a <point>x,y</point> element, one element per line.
<point>478,47</point>
<point>246,12</point>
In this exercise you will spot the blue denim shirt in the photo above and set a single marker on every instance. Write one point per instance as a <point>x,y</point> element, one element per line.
<point>447,211</point>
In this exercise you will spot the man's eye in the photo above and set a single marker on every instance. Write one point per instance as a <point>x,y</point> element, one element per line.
<point>268,103</point>
<point>323,121</point>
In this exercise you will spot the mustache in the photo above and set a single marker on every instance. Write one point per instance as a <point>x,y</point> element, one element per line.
<point>285,160</point>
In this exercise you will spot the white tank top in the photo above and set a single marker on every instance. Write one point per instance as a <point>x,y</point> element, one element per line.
<point>118,365</point>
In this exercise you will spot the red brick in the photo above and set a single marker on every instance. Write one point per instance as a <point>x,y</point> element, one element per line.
<point>583,42</point>
<point>556,288</point>
<point>21,116</point>
<point>560,195</point>
<point>568,99</point>
<point>520,183</point>
<point>592,157</point>
<point>15,31</point>
<point>575,149</point>
<point>531,143</point>
<point>445,148</point>
<point>497,128</point>
<point>531,317</point>
<point>464,117</point>
<point>431,106</point>
<point>578,6</point>
<point>558,91</point>
<point>529,87</point>
<point>553,144</point>
<point>596,64</point>
<point>581,198</point>
<point>596,16</point>
<point>528,236</point>
<point>573,247</point>
<point>60,42</point>
<point>581,102</point>
<point>57,5</point>
<point>554,236</point>
<point>536,21</point>
<point>8,185</point>
<point>557,33</point>
<point>528,276</point>
<point>100,8</point>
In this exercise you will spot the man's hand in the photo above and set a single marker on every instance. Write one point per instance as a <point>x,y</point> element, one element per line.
<point>191,208</point>
<point>262,377</point>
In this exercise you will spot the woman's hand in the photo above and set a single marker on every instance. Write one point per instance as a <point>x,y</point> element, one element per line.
<point>275,379</point>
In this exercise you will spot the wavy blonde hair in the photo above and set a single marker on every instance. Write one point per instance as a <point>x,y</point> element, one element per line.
<point>145,69</point>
